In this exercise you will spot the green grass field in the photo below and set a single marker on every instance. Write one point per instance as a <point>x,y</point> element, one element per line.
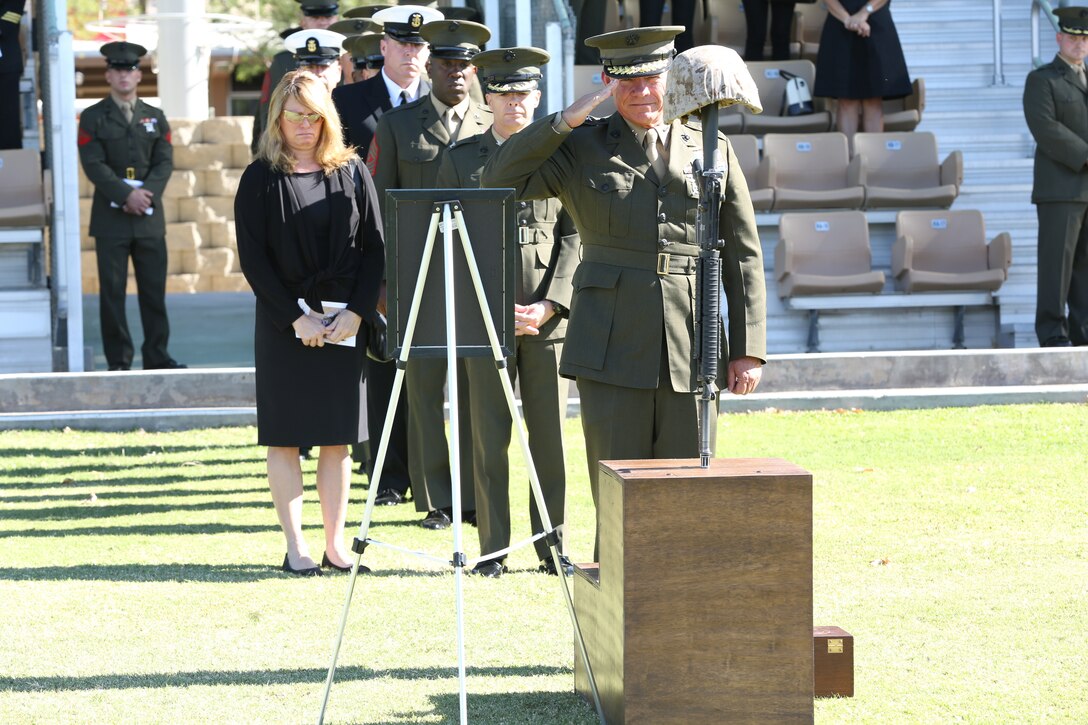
<point>139,581</point>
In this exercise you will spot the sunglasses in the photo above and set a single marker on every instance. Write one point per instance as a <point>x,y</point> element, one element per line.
<point>296,117</point>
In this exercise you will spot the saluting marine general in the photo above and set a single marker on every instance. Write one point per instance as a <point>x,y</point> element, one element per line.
<point>627,181</point>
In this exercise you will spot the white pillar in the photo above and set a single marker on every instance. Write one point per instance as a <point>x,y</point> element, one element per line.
<point>183,59</point>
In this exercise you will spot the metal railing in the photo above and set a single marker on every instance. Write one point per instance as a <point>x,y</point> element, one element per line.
<point>1037,7</point>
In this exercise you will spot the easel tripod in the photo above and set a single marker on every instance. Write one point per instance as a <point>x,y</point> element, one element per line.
<point>447,217</point>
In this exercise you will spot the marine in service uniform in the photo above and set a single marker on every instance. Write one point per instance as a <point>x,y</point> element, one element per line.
<point>548,250</point>
<point>315,15</point>
<point>405,154</point>
<point>627,181</point>
<point>124,146</point>
<point>1056,109</point>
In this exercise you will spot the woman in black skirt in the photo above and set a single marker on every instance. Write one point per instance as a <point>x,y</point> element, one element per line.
<point>309,234</point>
<point>860,63</point>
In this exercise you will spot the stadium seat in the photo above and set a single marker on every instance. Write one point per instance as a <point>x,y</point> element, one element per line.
<point>808,25</point>
<point>22,194</point>
<point>825,253</point>
<point>772,87</point>
<point>747,150</point>
<point>811,171</point>
<point>904,114</point>
<point>947,250</point>
<point>901,170</point>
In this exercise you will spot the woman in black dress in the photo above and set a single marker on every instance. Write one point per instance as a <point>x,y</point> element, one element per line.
<point>860,63</point>
<point>309,233</point>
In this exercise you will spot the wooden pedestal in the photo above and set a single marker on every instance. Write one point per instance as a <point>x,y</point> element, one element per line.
<point>701,608</point>
<point>833,662</point>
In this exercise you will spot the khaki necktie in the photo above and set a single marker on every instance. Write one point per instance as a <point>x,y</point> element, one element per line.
<point>126,111</point>
<point>1078,74</point>
<point>651,143</point>
<point>451,123</point>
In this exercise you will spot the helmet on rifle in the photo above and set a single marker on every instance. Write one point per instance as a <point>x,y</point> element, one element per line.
<point>708,74</point>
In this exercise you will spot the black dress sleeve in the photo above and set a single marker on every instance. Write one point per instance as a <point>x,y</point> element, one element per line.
<point>253,212</point>
<point>370,242</point>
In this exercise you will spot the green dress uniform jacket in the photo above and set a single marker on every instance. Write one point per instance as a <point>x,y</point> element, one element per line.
<point>112,150</point>
<point>404,154</point>
<point>548,254</point>
<point>635,287</point>
<point>1056,110</point>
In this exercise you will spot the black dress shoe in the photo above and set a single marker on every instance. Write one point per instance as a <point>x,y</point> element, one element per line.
<point>469,517</point>
<point>170,364</point>
<point>1059,341</point>
<point>547,566</point>
<point>326,564</point>
<point>115,368</point>
<point>437,520</point>
<point>388,497</point>
<point>309,571</point>
<point>490,569</point>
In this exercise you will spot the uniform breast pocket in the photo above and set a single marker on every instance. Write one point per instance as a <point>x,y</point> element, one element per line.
<point>422,153</point>
<point>592,310</point>
<point>545,211</point>
<point>609,192</point>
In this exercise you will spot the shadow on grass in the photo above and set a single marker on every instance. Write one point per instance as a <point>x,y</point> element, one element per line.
<point>311,676</point>
<point>506,707</point>
<point>57,480</point>
<point>156,493</point>
<point>146,530</point>
<point>101,510</point>
<point>215,573</point>
<point>96,465</point>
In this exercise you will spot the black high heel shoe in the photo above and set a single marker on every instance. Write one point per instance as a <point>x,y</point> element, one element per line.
<point>326,563</point>
<point>309,571</point>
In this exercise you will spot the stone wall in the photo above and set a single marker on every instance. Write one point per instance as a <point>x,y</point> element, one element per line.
<point>209,157</point>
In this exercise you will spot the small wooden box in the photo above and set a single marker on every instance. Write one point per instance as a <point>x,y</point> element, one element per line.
<point>833,662</point>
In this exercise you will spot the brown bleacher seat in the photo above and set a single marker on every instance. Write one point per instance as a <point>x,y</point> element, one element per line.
<point>772,87</point>
<point>904,114</point>
<point>947,250</point>
<point>901,170</point>
<point>747,150</point>
<point>811,171</point>
<point>825,253</point>
<point>808,25</point>
<point>22,195</point>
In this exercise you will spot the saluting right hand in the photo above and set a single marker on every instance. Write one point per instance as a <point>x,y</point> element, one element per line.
<point>576,113</point>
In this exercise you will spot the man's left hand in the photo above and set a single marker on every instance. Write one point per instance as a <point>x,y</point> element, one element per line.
<point>744,375</point>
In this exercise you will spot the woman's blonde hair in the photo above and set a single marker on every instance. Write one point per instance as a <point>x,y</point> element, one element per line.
<point>313,94</point>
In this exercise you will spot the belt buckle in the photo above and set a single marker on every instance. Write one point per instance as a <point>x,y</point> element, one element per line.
<point>130,172</point>
<point>663,263</point>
